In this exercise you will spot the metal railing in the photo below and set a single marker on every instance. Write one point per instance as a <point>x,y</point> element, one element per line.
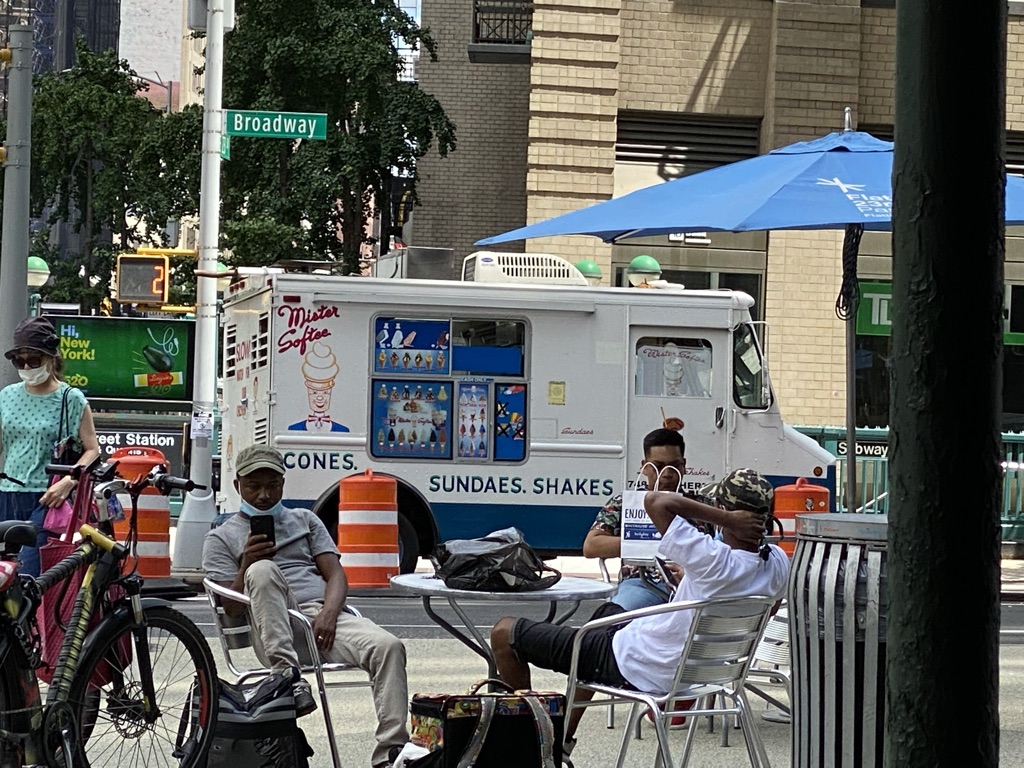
<point>872,492</point>
<point>504,22</point>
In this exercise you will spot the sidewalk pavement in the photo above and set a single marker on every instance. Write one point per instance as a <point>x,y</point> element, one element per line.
<point>446,666</point>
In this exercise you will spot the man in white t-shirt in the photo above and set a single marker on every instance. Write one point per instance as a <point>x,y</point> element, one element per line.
<point>643,653</point>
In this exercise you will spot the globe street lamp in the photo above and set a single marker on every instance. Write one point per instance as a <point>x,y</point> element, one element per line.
<point>590,270</point>
<point>642,269</point>
<point>38,274</point>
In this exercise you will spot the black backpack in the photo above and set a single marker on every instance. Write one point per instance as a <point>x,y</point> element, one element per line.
<point>256,725</point>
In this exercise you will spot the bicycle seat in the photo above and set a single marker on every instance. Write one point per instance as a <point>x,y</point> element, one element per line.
<point>18,532</point>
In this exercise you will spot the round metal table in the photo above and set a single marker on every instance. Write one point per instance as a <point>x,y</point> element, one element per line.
<point>569,589</point>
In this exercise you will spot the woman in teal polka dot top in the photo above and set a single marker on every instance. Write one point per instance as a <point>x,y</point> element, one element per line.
<point>29,426</point>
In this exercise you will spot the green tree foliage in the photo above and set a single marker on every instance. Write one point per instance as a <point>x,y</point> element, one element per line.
<point>105,159</point>
<point>284,199</point>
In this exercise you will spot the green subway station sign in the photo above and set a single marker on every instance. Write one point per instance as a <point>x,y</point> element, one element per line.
<point>276,125</point>
<point>874,314</point>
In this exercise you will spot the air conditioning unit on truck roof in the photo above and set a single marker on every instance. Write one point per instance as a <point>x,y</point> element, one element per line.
<point>498,267</point>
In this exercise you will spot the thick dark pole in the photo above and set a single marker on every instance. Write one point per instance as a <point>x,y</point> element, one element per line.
<point>948,175</point>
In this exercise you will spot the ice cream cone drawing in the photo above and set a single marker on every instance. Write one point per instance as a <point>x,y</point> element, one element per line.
<point>319,369</point>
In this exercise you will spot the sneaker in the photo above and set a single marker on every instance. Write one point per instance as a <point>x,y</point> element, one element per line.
<point>680,706</point>
<point>304,702</point>
<point>393,754</point>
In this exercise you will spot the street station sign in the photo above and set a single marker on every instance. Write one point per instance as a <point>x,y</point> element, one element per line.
<point>276,125</point>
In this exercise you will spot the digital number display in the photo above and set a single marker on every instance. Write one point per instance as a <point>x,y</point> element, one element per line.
<point>142,279</point>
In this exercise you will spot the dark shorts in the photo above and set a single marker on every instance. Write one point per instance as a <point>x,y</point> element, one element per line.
<point>550,646</point>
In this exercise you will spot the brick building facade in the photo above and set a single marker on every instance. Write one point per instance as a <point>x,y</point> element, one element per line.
<point>606,96</point>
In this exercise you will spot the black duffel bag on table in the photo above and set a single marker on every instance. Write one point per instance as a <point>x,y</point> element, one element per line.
<point>501,561</point>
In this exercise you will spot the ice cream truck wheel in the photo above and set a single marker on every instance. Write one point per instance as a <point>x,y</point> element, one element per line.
<point>417,531</point>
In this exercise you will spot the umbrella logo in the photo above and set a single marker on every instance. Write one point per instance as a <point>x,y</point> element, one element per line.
<point>844,188</point>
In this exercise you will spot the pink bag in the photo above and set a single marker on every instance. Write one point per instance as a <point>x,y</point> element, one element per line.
<point>58,518</point>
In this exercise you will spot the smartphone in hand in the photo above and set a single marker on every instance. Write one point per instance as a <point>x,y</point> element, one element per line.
<point>263,524</point>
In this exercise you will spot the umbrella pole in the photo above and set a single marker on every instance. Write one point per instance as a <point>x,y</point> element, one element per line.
<point>846,309</point>
<point>851,413</point>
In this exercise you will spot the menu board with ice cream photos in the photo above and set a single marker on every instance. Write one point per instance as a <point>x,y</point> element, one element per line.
<point>410,419</point>
<point>473,421</point>
<point>404,346</point>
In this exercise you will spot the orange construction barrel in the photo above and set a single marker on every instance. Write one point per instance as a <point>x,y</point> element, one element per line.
<point>368,529</point>
<point>797,499</point>
<point>153,523</point>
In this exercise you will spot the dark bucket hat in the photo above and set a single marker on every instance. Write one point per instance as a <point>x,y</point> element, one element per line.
<point>35,333</point>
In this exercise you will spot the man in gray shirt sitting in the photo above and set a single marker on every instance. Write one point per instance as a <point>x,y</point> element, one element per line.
<point>302,570</point>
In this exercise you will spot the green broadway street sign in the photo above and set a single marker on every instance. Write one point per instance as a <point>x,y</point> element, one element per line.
<point>276,125</point>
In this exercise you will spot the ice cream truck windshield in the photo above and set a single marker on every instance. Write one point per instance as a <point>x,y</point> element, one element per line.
<point>495,405</point>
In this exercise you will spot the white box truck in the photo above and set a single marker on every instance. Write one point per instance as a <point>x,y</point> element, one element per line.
<point>518,397</point>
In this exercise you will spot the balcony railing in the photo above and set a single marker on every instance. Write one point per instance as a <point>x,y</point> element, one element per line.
<point>502,22</point>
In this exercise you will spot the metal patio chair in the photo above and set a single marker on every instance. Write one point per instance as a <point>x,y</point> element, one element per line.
<point>236,636</point>
<point>713,663</point>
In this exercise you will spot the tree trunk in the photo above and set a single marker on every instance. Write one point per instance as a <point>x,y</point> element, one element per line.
<point>945,477</point>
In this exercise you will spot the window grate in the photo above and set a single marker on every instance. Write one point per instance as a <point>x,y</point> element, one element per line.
<point>261,343</point>
<point>697,142</point>
<point>230,361</point>
<point>1014,144</point>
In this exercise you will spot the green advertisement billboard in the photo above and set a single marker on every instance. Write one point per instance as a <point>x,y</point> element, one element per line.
<point>127,358</point>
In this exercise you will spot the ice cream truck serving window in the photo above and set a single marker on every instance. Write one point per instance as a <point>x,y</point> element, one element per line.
<point>669,367</point>
<point>448,389</point>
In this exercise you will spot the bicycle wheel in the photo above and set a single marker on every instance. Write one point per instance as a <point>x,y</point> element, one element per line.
<point>10,755</point>
<point>107,696</point>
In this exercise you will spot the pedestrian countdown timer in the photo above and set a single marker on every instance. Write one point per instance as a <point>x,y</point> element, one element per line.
<point>142,279</point>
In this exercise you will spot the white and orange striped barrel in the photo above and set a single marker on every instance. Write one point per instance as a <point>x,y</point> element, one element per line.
<point>799,498</point>
<point>153,523</point>
<point>368,529</point>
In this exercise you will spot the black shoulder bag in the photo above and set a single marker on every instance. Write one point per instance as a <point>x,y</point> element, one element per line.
<point>68,448</point>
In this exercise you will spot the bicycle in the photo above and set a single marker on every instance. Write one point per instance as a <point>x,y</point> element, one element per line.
<point>138,687</point>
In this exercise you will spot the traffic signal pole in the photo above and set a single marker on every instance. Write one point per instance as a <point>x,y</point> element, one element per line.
<point>14,242</point>
<point>199,507</point>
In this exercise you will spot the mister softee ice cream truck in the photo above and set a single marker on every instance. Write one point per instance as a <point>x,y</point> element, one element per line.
<point>518,396</point>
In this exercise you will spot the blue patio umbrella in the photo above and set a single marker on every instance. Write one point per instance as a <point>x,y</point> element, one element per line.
<point>839,181</point>
<point>828,183</point>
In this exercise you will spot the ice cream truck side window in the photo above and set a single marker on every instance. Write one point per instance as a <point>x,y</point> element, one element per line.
<point>671,367</point>
<point>749,385</point>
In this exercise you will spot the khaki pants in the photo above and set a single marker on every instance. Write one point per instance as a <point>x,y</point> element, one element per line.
<point>357,641</point>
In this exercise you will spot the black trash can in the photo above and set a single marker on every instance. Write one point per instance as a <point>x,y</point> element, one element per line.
<point>838,598</point>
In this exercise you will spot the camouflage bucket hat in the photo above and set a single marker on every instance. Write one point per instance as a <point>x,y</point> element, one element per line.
<point>743,489</point>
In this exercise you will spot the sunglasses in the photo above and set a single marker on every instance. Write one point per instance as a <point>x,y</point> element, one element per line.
<point>31,361</point>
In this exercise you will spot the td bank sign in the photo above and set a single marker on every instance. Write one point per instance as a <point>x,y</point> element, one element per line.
<point>874,314</point>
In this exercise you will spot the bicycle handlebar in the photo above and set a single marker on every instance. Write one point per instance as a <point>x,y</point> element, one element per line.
<point>77,470</point>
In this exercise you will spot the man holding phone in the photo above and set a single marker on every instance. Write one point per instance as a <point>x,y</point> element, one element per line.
<point>284,558</point>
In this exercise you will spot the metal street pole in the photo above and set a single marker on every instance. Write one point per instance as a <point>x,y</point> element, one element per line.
<point>14,242</point>
<point>199,507</point>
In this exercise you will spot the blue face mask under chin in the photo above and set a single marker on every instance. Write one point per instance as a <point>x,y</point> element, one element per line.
<point>249,510</point>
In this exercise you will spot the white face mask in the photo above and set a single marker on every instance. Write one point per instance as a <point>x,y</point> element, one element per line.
<point>34,376</point>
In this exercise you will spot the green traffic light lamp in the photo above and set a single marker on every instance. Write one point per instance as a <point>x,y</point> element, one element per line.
<point>642,269</point>
<point>589,269</point>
